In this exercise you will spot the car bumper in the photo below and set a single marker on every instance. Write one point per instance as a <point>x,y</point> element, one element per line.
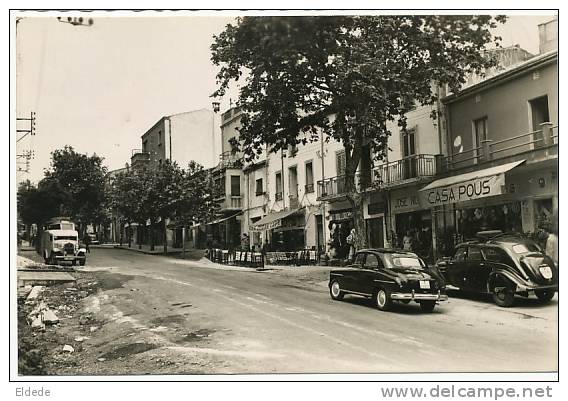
<point>70,257</point>
<point>524,288</point>
<point>411,296</point>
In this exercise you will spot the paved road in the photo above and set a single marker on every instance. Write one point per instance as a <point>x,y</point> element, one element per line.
<point>198,318</point>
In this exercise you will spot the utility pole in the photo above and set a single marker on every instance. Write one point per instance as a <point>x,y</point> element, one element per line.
<point>24,158</point>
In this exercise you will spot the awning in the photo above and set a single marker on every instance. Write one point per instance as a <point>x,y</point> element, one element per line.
<point>272,220</point>
<point>218,220</point>
<point>468,186</point>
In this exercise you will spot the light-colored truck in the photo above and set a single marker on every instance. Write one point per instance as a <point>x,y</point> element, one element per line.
<point>60,243</point>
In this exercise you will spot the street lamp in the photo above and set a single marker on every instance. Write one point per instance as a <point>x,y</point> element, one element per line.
<point>216,108</point>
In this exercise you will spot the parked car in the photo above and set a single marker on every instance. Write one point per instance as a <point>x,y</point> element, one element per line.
<point>501,265</point>
<point>387,275</point>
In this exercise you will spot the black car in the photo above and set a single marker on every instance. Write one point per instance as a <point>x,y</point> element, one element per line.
<point>503,265</point>
<point>387,275</point>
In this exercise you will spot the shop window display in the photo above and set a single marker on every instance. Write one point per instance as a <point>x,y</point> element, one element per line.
<point>506,217</point>
<point>414,233</point>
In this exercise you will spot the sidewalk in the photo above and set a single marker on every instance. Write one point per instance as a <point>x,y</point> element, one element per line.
<point>158,249</point>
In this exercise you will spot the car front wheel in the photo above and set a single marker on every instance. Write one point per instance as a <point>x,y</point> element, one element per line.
<point>544,296</point>
<point>503,292</point>
<point>335,291</point>
<point>382,300</point>
<point>427,306</point>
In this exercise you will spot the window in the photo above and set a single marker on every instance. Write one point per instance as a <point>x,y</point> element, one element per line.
<point>360,259</point>
<point>235,185</point>
<point>539,115</point>
<point>497,255</point>
<point>474,254</point>
<point>340,162</point>
<point>408,138</point>
<point>259,190</point>
<point>278,186</point>
<point>145,146</point>
<point>460,254</point>
<point>309,177</point>
<point>372,261</point>
<point>159,138</point>
<point>479,136</point>
<point>293,181</point>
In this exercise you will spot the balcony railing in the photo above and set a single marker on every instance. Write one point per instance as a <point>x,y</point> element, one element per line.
<point>229,160</point>
<point>139,155</point>
<point>278,196</point>
<point>336,187</point>
<point>542,140</point>
<point>229,201</point>
<point>293,201</point>
<point>309,188</point>
<point>416,166</point>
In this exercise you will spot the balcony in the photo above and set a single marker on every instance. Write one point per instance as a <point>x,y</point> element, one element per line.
<point>278,196</point>
<point>139,156</point>
<point>229,160</point>
<point>309,188</point>
<point>335,188</point>
<point>533,146</point>
<point>232,202</point>
<point>411,168</point>
<point>293,201</point>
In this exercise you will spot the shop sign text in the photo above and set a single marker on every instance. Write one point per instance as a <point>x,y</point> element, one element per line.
<point>464,191</point>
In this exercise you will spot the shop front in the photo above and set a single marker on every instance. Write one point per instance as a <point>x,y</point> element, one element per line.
<point>284,230</point>
<point>374,209</point>
<point>411,222</point>
<point>338,229</point>
<point>511,198</point>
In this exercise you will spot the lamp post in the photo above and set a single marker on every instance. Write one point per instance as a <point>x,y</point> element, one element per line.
<point>216,107</point>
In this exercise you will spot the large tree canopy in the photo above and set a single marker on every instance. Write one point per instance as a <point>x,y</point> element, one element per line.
<point>363,70</point>
<point>83,180</point>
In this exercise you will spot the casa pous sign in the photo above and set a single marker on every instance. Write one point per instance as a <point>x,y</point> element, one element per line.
<point>464,191</point>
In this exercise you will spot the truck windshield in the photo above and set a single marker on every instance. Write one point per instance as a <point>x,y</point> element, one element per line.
<point>65,237</point>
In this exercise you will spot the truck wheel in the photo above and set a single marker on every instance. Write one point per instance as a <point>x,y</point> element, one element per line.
<point>82,262</point>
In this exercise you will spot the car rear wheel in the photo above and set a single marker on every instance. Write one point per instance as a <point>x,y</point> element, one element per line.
<point>544,296</point>
<point>335,291</point>
<point>503,292</point>
<point>82,262</point>
<point>427,306</point>
<point>382,300</point>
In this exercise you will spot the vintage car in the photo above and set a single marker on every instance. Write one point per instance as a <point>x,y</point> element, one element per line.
<point>62,246</point>
<point>502,265</point>
<point>387,275</point>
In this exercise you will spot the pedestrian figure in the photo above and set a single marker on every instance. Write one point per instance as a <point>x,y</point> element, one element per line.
<point>552,244</point>
<point>351,239</point>
<point>245,242</point>
<point>407,241</point>
<point>87,241</point>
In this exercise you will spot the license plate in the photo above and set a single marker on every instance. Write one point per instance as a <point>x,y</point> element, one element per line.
<point>425,285</point>
<point>69,257</point>
<point>546,272</point>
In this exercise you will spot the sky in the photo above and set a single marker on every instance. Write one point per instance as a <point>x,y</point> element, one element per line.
<point>99,88</point>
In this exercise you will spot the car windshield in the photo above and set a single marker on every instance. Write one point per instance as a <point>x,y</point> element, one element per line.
<point>525,248</point>
<point>65,237</point>
<point>397,261</point>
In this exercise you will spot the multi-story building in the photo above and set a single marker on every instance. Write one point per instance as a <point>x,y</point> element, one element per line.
<point>182,137</point>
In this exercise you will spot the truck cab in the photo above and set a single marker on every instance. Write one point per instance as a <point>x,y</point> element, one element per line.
<point>60,243</point>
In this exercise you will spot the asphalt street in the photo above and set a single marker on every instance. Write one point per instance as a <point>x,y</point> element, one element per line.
<point>165,315</point>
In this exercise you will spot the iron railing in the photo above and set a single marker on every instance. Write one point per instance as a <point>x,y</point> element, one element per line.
<point>415,166</point>
<point>337,186</point>
<point>229,160</point>
<point>542,139</point>
<point>139,155</point>
<point>309,188</point>
<point>278,196</point>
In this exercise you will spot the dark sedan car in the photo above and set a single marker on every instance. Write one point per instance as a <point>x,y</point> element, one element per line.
<point>502,266</point>
<point>387,275</point>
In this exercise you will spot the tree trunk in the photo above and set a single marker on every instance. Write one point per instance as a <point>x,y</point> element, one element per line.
<point>165,236</point>
<point>152,236</point>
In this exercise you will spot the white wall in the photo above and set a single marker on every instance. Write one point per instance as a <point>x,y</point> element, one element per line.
<point>195,136</point>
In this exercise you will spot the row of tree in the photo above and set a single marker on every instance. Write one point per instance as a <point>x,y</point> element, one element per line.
<point>78,186</point>
<point>169,195</point>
